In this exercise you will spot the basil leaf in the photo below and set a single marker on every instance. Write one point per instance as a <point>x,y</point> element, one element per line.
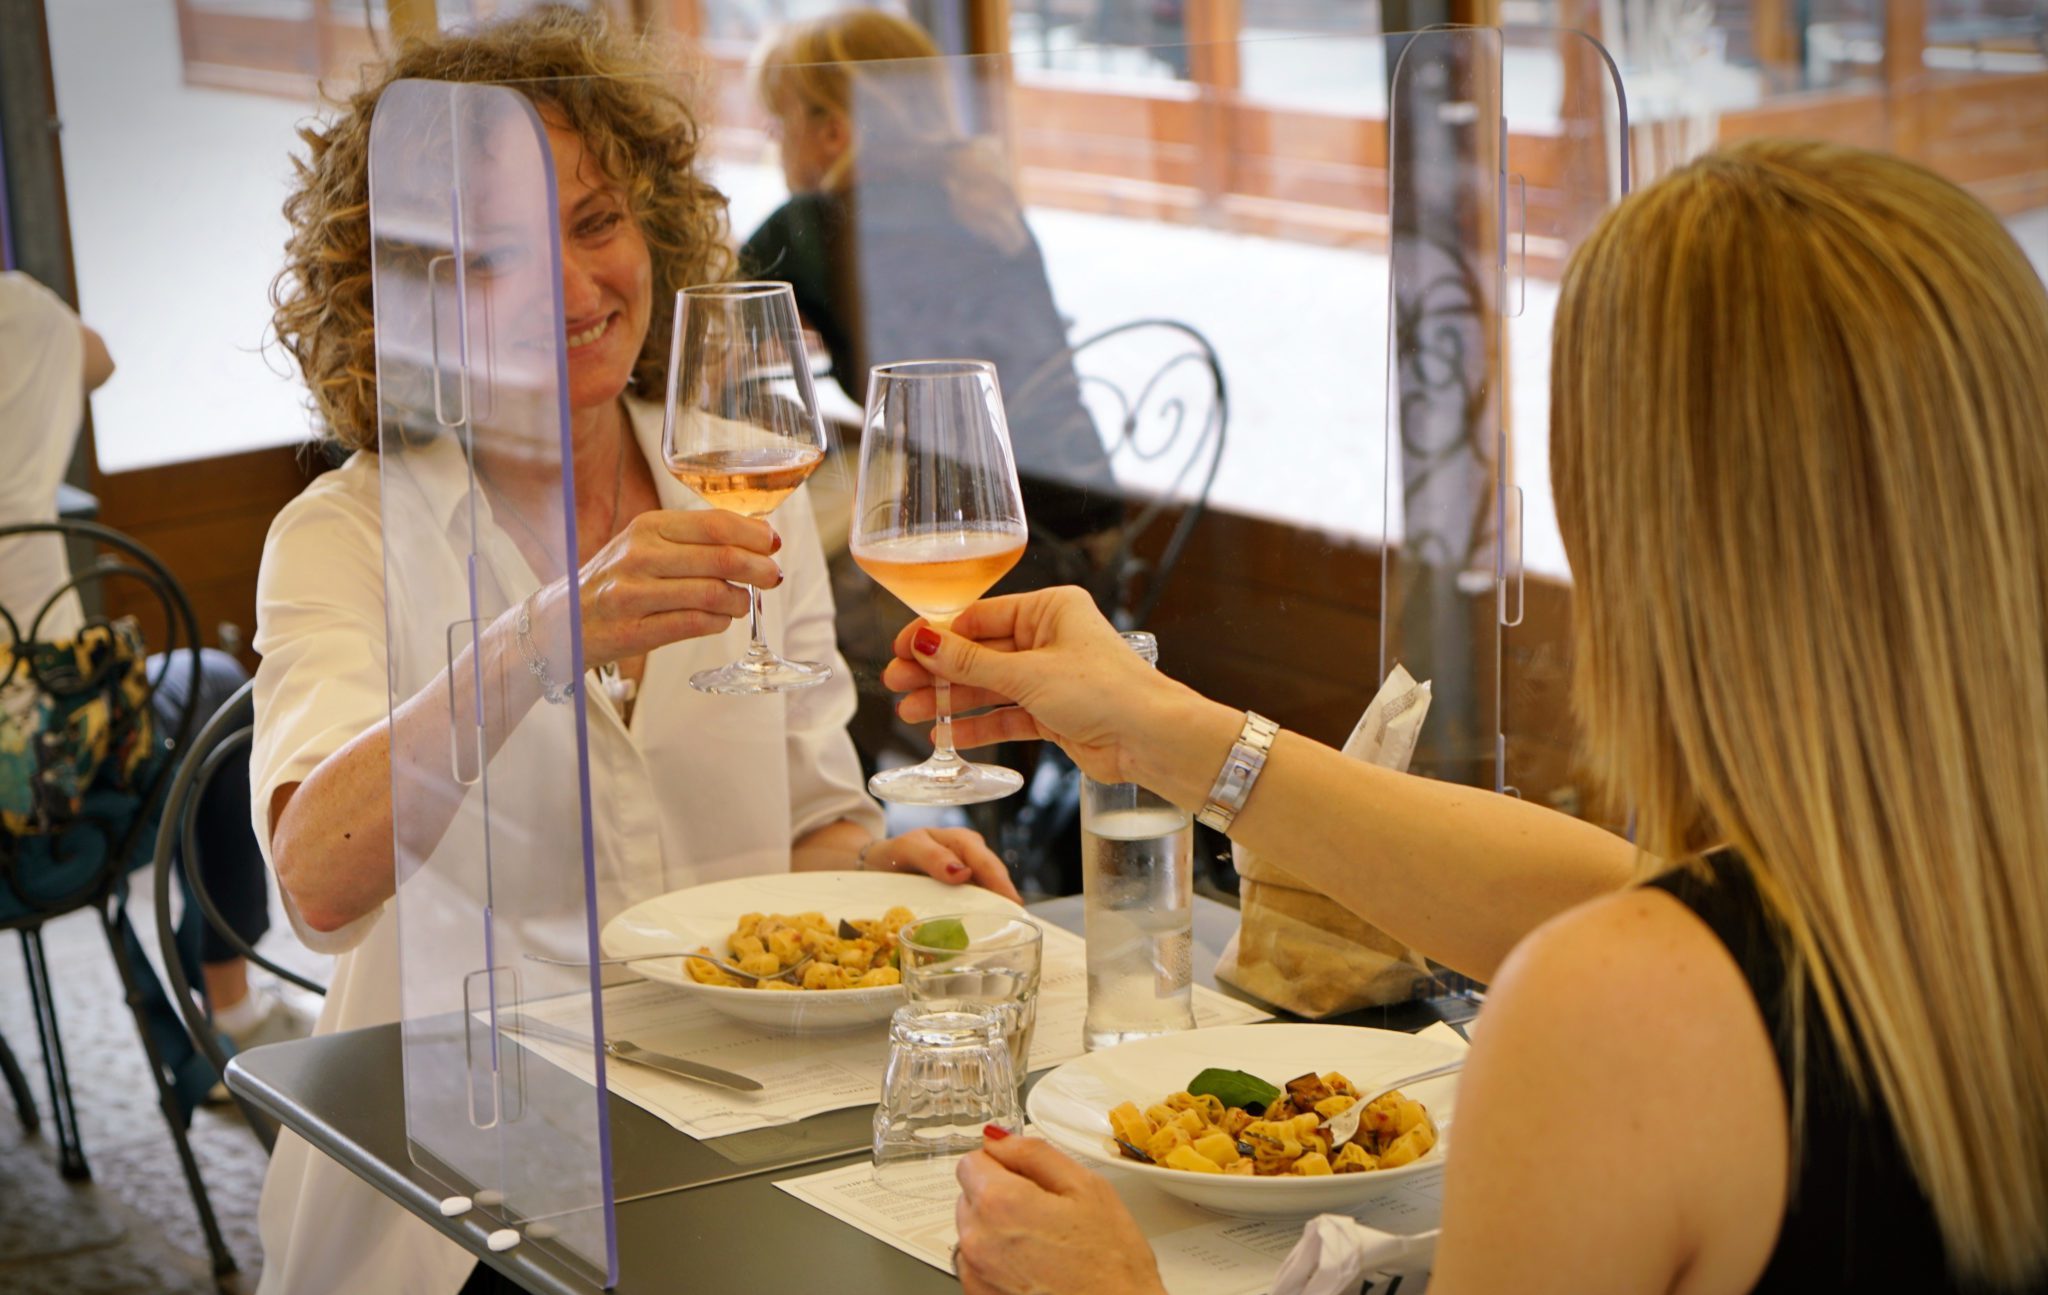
<point>1234,1088</point>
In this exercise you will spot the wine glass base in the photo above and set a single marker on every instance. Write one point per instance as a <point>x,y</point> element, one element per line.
<point>960,784</point>
<point>746,678</point>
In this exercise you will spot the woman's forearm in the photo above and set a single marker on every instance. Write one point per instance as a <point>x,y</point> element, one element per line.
<point>332,836</point>
<point>834,847</point>
<point>1458,873</point>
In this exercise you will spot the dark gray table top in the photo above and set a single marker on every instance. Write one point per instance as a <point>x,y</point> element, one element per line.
<point>343,1093</point>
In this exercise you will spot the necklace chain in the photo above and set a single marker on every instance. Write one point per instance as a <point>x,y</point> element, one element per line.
<point>611,523</point>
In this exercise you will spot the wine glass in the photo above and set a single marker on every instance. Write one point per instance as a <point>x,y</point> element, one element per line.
<point>937,519</point>
<point>743,445</point>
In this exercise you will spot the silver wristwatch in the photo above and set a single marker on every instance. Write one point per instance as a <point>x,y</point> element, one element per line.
<point>1240,770</point>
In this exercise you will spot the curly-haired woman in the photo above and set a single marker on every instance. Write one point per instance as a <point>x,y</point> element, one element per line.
<point>686,787</point>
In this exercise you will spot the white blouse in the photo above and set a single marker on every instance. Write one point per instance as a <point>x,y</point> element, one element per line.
<point>699,789</point>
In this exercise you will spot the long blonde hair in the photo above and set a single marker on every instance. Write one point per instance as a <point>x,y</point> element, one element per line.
<point>1800,447</point>
<point>816,64</point>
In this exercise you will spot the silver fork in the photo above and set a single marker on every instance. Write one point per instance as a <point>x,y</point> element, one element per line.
<point>726,967</point>
<point>1342,1125</point>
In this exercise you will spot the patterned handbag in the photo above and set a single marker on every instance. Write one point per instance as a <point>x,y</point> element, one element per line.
<point>74,718</point>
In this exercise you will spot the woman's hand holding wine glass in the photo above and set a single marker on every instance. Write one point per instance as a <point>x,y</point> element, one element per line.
<point>671,575</point>
<point>937,519</point>
<point>1055,669</point>
<point>740,443</point>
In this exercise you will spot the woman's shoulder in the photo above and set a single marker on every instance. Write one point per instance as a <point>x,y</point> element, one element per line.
<point>794,231</point>
<point>340,507</point>
<point>1624,1034</point>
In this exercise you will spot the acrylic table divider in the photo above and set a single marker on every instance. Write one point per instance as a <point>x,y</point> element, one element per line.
<point>1472,247</point>
<point>491,821</point>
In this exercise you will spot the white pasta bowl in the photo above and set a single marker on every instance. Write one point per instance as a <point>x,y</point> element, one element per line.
<point>703,916</point>
<point>1071,1105</point>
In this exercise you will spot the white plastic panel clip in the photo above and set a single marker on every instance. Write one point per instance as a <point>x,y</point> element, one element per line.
<point>465,707</point>
<point>434,279</point>
<point>1515,247</point>
<point>1512,569</point>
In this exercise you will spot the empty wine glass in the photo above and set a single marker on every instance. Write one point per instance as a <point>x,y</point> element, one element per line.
<point>937,519</point>
<point>742,430</point>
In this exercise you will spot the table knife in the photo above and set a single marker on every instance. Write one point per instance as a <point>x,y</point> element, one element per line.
<point>622,1050</point>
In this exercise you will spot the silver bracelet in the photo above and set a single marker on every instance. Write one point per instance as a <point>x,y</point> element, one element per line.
<point>1240,770</point>
<point>860,860</point>
<point>536,663</point>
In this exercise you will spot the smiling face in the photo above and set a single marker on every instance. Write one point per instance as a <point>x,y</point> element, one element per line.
<point>607,275</point>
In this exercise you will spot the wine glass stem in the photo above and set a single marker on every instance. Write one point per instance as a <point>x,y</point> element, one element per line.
<point>942,731</point>
<point>757,647</point>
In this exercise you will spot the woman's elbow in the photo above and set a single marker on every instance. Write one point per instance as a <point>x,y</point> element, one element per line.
<point>304,898</point>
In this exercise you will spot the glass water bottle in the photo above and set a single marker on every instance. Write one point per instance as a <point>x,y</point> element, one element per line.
<point>1137,865</point>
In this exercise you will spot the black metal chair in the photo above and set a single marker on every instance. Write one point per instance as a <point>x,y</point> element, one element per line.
<point>38,885</point>
<point>227,732</point>
<point>1156,392</point>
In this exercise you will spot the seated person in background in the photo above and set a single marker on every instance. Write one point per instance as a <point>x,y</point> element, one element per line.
<point>49,362</point>
<point>685,787</point>
<point>1799,400</point>
<point>903,240</point>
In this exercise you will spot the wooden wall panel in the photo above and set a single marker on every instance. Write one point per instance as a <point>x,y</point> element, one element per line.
<point>1861,118</point>
<point>206,520</point>
<point>1285,621</point>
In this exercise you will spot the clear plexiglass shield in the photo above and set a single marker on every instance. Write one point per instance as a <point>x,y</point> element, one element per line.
<point>1504,147</point>
<point>489,785</point>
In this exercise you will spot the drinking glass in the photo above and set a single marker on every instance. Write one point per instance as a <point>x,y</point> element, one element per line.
<point>949,1076</point>
<point>742,430</point>
<point>937,519</point>
<point>975,961</point>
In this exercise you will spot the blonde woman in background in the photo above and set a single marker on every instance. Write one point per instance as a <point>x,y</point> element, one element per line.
<point>1800,449</point>
<point>902,239</point>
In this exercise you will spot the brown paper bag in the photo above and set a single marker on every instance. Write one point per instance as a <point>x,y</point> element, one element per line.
<point>1310,956</point>
<point>1303,952</point>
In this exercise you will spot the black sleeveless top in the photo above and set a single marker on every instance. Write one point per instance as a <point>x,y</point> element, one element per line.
<point>1856,1218</point>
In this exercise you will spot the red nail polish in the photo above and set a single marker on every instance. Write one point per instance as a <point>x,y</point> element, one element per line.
<point>957,869</point>
<point>776,547</point>
<point>926,640</point>
<point>994,1132</point>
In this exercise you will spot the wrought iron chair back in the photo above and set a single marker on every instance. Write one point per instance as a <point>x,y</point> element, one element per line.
<point>121,824</point>
<point>1156,392</point>
<point>128,560</point>
<point>224,735</point>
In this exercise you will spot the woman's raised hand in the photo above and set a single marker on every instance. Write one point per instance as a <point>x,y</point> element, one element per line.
<point>673,574</point>
<point>1055,666</point>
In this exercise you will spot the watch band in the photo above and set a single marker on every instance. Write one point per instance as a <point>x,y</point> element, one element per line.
<point>1240,770</point>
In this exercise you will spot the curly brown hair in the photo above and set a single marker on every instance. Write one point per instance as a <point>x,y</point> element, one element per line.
<point>607,88</point>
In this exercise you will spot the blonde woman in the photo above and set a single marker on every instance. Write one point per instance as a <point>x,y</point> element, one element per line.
<point>685,787</point>
<point>903,240</point>
<point>1799,401</point>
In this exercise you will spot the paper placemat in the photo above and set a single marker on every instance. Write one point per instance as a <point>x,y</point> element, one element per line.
<point>1199,1252</point>
<point>807,1074</point>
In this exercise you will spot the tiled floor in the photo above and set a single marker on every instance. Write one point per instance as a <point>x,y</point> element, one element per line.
<point>133,1228</point>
